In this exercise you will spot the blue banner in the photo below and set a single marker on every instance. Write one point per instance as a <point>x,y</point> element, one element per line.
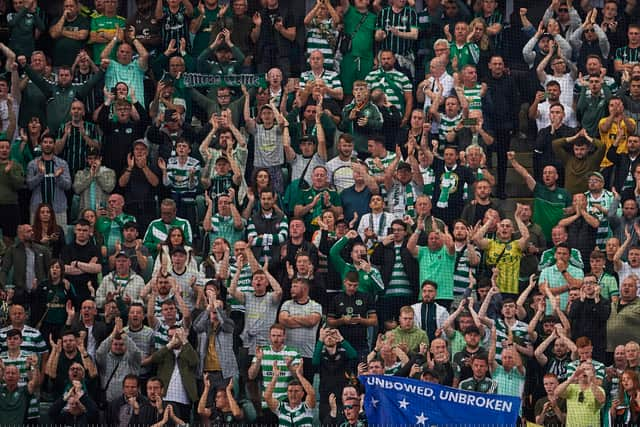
<point>404,401</point>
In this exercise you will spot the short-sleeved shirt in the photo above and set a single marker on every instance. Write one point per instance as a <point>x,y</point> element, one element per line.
<point>302,339</point>
<point>82,253</point>
<point>393,83</point>
<point>66,49</point>
<point>306,197</point>
<point>362,40</point>
<point>105,24</point>
<point>554,277</point>
<point>583,411</point>
<point>437,266</point>
<point>510,383</point>
<point>130,73</point>
<point>508,256</point>
<point>548,207</point>
<point>360,305</point>
<point>269,356</point>
<point>300,416</point>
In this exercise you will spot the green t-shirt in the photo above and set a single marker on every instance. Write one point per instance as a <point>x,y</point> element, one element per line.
<point>362,40</point>
<point>548,207</point>
<point>66,49</point>
<point>106,24</point>
<point>306,197</point>
<point>438,267</point>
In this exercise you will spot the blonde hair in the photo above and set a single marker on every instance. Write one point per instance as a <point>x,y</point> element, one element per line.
<point>484,40</point>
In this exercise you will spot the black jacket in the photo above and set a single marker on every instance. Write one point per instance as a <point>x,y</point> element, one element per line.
<point>112,414</point>
<point>502,103</point>
<point>589,319</point>
<point>623,164</point>
<point>59,416</point>
<point>384,257</point>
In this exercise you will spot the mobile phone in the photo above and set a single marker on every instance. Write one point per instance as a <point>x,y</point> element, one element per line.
<point>469,122</point>
<point>545,95</point>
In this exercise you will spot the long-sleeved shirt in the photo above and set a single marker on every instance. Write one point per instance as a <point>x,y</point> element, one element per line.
<point>105,181</point>
<point>591,108</point>
<point>370,282</point>
<point>576,170</point>
<point>10,183</point>
<point>62,184</point>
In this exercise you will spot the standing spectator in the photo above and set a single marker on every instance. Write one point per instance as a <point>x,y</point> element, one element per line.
<point>360,24</point>
<point>267,229</point>
<point>622,325</point>
<point>589,314</point>
<point>293,408</point>
<point>583,395</point>
<point>181,174</point>
<point>542,148</point>
<point>396,85</point>
<point>592,103</point>
<point>61,93</point>
<point>75,138</point>
<point>399,271</point>
<point>70,33</point>
<point>274,34</point>
<point>502,96</point>
<point>301,317</point>
<point>175,17</point>
<point>397,31</point>
<point>614,131</point>
<point>352,312</point>
<point>549,410</point>
<point>627,56</point>
<point>80,259</point>
<point>564,73</point>
<point>11,181</point>
<point>277,364</point>
<point>361,118</point>
<point>177,364</point>
<point>104,27</point>
<point>146,27</point>
<point>550,200</point>
<point>488,10</point>
<point>561,276</point>
<point>217,361</point>
<point>581,227</point>
<point>369,278</point>
<point>25,26</point>
<point>509,375</point>
<point>116,357</point>
<point>480,381</point>
<point>13,410</point>
<point>122,284</point>
<point>95,182</point>
<point>123,68</point>
<point>139,181</point>
<point>322,36</point>
<point>51,174</point>
<point>585,157</point>
<point>204,23</point>
<point>625,163</point>
<point>436,260</point>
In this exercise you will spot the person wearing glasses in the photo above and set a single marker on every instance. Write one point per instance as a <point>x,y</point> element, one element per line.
<point>583,395</point>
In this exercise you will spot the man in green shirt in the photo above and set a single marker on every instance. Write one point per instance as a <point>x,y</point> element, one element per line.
<point>361,118</point>
<point>13,399</point>
<point>407,332</point>
<point>436,260</point>
<point>360,24</point>
<point>479,381</point>
<point>316,199</point>
<point>551,202</point>
<point>158,230</point>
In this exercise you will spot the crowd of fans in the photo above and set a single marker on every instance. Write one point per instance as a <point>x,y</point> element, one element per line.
<point>235,254</point>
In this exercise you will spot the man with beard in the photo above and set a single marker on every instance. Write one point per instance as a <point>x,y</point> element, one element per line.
<point>48,178</point>
<point>585,157</point>
<point>399,272</point>
<point>475,209</point>
<point>429,315</point>
<point>559,235</point>
<point>467,258</point>
<point>504,252</point>
<point>541,107</point>
<point>557,360</point>
<point>581,227</point>
<point>395,84</point>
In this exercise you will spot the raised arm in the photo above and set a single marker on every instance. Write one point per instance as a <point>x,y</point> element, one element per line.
<point>528,179</point>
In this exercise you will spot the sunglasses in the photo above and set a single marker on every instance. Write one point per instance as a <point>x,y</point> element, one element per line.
<point>563,10</point>
<point>589,30</point>
<point>581,397</point>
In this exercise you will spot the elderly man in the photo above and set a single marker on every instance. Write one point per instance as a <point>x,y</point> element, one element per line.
<point>314,200</point>
<point>395,84</point>
<point>333,86</point>
<point>116,357</point>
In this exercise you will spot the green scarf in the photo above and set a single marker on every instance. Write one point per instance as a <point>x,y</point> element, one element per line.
<point>446,184</point>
